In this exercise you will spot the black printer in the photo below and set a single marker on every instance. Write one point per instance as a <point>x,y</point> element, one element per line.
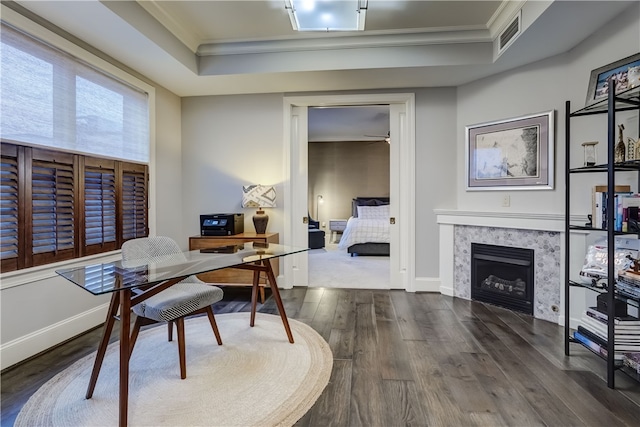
<point>221,224</point>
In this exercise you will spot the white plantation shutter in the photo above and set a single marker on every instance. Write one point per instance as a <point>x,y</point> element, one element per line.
<point>50,98</point>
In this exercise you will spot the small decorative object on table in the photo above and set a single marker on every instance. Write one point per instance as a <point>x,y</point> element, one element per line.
<point>620,146</point>
<point>590,157</point>
<point>631,149</point>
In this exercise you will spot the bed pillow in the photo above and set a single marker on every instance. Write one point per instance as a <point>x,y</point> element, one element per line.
<point>374,212</point>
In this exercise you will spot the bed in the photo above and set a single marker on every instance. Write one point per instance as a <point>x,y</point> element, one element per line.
<point>367,231</point>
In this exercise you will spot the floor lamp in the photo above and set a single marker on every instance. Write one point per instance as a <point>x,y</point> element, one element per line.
<point>318,201</point>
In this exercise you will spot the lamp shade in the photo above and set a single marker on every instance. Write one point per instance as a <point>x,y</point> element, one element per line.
<point>258,196</point>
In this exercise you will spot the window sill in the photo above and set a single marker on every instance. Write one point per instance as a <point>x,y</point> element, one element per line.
<point>29,275</point>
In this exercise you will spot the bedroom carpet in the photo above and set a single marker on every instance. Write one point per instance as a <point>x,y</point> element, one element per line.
<point>331,267</point>
<point>256,378</point>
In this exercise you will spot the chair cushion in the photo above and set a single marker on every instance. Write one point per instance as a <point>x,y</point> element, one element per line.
<point>179,300</point>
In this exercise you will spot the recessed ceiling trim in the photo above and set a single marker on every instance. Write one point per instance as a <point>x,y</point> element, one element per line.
<point>471,35</point>
<point>185,35</point>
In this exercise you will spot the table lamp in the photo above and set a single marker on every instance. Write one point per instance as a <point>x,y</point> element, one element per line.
<point>259,196</point>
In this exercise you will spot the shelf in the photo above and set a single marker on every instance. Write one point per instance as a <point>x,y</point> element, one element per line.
<point>620,295</point>
<point>628,166</point>
<point>617,233</point>
<point>626,100</point>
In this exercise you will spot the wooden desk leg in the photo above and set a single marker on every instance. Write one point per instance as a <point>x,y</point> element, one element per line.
<point>125,331</point>
<point>254,296</point>
<point>106,334</point>
<point>276,295</point>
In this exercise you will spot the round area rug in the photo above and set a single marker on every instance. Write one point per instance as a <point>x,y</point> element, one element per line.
<point>255,378</point>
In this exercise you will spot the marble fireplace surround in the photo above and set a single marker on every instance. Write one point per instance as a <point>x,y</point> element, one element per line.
<point>544,233</point>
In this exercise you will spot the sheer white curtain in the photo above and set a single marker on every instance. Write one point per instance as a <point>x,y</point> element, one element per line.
<point>50,98</point>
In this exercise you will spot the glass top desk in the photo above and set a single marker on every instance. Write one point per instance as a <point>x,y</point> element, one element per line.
<point>133,281</point>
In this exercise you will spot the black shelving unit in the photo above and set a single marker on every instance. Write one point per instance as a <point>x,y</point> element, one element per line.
<point>624,101</point>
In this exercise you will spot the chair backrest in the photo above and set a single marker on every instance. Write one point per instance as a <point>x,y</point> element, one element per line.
<point>151,249</point>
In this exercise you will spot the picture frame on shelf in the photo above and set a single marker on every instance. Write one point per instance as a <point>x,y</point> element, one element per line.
<point>626,71</point>
<point>511,154</point>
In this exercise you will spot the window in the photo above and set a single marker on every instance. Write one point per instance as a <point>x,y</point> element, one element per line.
<point>75,148</point>
<point>67,206</point>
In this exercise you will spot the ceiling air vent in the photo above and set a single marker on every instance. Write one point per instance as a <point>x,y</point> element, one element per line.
<point>510,33</point>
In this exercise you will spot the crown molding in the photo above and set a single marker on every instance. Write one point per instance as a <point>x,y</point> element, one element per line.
<point>469,35</point>
<point>185,35</point>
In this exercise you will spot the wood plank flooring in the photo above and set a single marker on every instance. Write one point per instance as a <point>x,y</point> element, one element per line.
<point>403,359</point>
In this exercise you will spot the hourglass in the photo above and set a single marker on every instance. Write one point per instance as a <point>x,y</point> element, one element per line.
<point>590,153</point>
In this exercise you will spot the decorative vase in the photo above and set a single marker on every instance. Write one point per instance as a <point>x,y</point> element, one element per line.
<point>621,149</point>
<point>260,221</point>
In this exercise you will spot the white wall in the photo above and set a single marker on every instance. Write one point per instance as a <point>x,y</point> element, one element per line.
<point>229,141</point>
<point>544,86</point>
<point>168,166</point>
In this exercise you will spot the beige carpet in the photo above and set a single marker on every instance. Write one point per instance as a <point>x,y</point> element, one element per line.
<point>256,378</point>
<point>331,267</point>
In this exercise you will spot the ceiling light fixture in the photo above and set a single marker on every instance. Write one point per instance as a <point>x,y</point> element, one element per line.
<point>327,15</point>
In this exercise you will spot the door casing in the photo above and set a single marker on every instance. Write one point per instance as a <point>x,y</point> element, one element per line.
<point>402,181</point>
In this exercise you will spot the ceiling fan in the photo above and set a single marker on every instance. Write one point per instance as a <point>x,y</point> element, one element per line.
<point>386,137</point>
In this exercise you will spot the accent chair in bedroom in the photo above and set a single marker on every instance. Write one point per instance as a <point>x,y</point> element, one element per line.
<point>316,236</point>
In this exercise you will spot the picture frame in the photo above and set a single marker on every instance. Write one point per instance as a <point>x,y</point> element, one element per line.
<point>626,70</point>
<point>511,154</point>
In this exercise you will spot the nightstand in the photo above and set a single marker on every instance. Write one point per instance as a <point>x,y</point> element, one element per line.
<point>234,276</point>
<point>337,226</point>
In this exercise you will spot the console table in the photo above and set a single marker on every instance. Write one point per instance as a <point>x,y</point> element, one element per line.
<point>234,277</point>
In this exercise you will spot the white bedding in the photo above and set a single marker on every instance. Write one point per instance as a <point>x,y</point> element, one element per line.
<point>364,231</point>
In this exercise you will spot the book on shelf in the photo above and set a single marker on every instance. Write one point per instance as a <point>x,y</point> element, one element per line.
<point>619,347</point>
<point>594,346</point>
<point>622,321</point>
<point>599,203</point>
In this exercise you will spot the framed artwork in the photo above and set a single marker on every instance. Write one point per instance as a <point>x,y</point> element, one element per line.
<point>511,154</point>
<point>626,73</point>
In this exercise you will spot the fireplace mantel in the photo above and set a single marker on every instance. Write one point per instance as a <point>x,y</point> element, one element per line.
<point>539,231</point>
<point>518,220</point>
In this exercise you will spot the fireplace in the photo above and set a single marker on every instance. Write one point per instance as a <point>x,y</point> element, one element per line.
<point>503,276</point>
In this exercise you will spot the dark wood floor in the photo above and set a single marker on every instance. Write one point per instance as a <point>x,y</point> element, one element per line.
<point>416,359</point>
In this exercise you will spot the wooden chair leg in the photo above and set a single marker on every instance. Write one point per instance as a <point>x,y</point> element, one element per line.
<point>134,334</point>
<point>181,347</point>
<point>214,325</point>
<point>170,331</point>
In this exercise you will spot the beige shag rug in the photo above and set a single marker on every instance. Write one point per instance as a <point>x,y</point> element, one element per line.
<point>256,378</point>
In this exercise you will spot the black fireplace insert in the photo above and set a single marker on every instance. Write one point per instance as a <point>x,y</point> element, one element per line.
<point>503,276</point>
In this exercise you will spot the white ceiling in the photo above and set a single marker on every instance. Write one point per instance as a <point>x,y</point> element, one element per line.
<point>196,48</point>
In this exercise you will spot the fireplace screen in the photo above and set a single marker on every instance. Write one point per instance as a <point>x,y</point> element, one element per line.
<point>503,276</point>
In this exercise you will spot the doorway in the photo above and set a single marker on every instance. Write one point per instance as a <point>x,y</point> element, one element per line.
<point>348,158</point>
<point>402,182</point>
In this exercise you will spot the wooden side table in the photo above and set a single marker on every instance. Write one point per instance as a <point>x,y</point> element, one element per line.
<point>337,226</point>
<point>233,276</point>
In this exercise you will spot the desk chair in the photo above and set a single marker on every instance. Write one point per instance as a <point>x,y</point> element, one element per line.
<point>188,297</point>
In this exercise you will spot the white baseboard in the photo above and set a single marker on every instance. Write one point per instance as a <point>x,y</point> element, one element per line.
<point>427,284</point>
<point>29,345</point>
<point>445,290</point>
